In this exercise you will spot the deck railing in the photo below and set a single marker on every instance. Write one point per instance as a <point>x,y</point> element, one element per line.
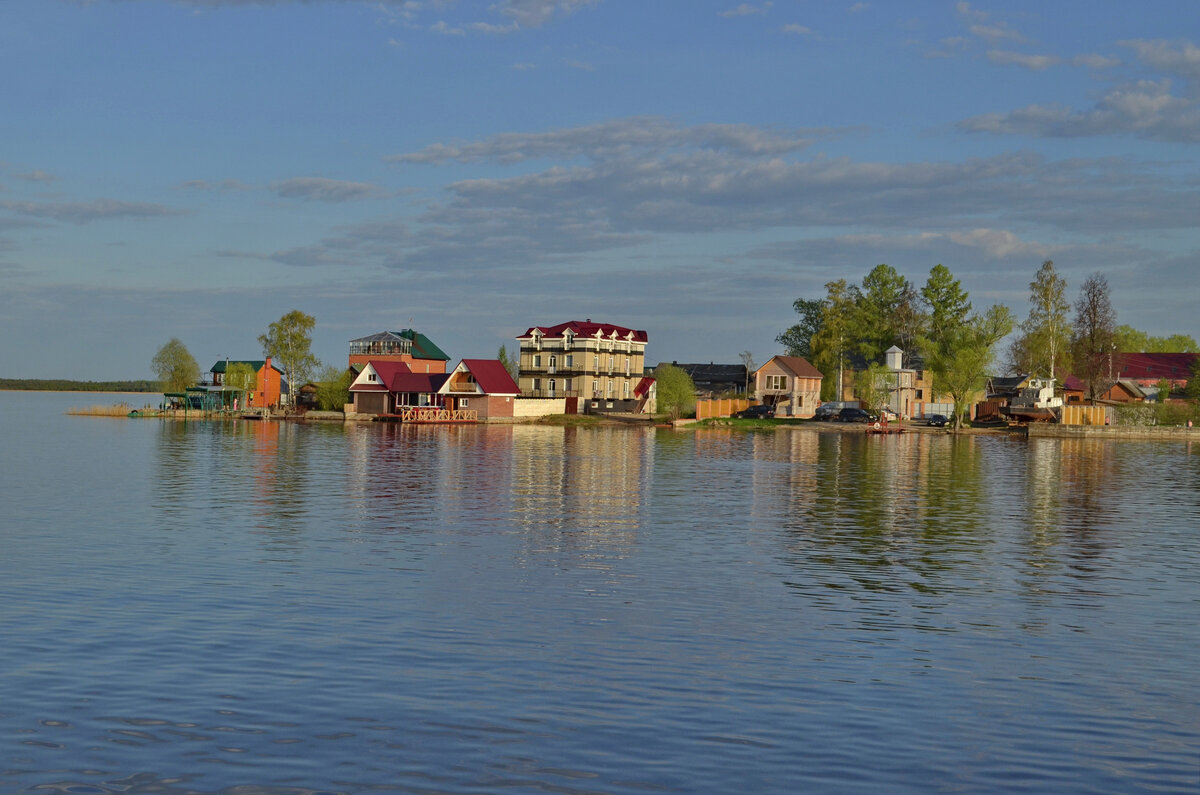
<point>434,414</point>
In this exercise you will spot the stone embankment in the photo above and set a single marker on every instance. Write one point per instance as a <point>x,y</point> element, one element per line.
<point>1174,433</point>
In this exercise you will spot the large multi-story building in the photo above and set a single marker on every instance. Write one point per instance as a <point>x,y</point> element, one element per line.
<point>599,364</point>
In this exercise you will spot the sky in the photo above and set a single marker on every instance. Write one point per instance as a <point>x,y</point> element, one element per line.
<point>198,168</point>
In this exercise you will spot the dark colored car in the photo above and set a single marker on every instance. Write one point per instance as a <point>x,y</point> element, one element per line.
<point>855,415</point>
<point>756,413</point>
<point>937,420</point>
<point>826,414</point>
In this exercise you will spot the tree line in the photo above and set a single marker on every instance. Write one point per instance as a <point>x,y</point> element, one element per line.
<point>66,385</point>
<point>857,323</point>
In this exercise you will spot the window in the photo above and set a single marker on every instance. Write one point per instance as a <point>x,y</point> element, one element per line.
<point>552,386</point>
<point>553,363</point>
<point>627,390</point>
<point>537,360</point>
<point>566,384</point>
<point>372,377</point>
<point>777,382</point>
<point>537,384</point>
<point>464,402</point>
<point>611,363</point>
<point>919,396</point>
<point>569,361</point>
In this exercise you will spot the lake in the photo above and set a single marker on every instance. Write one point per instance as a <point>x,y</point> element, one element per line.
<point>298,608</point>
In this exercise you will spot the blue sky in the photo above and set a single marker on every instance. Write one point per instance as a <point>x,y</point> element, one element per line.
<point>197,168</point>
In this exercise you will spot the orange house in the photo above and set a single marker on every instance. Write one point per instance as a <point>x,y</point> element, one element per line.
<point>269,383</point>
<point>410,347</point>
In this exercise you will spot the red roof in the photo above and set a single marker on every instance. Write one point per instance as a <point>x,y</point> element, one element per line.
<point>491,376</point>
<point>587,328</point>
<point>643,387</point>
<point>1172,366</point>
<point>397,377</point>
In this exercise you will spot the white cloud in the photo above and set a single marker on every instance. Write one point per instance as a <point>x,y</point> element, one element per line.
<point>1182,59</point>
<point>800,30</point>
<point>746,9</point>
<point>1095,61</point>
<point>86,212</point>
<point>612,139</point>
<point>325,190</point>
<point>37,175</point>
<point>1146,109</point>
<point>1035,62</point>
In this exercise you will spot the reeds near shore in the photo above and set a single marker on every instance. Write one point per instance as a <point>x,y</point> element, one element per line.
<point>119,410</point>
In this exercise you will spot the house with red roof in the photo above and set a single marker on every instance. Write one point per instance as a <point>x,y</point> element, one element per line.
<point>482,386</point>
<point>597,367</point>
<point>387,387</point>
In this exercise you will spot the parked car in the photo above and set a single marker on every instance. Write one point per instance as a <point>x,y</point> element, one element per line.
<point>759,412</point>
<point>890,415</point>
<point>937,420</point>
<point>826,413</point>
<point>855,415</point>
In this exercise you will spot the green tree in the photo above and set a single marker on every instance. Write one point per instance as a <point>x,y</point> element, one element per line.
<point>510,363</point>
<point>288,342</point>
<point>333,388</point>
<point>797,340</point>
<point>175,367</point>
<point>1131,340</point>
<point>947,303</point>
<point>1046,333</point>
<point>1164,390</point>
<point>873,386</point>
<point>676,392</point>
<point>241,375</point>
<point>1094,339</point>
<point>961,362</point>
<point>888,313</point>
<point>834,338</point>
<point>1191,390</point>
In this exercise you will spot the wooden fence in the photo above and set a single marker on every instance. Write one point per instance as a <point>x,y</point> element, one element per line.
<point>722,407</point>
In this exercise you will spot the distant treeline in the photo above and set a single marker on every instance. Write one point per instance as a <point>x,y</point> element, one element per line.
<point>63,385</point>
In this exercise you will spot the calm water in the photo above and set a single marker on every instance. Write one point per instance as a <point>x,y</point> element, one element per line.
<point>281,608</point>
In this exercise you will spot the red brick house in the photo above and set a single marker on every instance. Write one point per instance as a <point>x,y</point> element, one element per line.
<point>480,385</point>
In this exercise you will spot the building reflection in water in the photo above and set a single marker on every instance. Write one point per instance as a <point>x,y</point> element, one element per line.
<point>580,492</point>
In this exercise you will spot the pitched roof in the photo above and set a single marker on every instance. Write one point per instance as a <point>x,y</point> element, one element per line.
<point>255,364</point>
<point>797,366</point>
<point>643,387</point>
<point>388,372</point>
<point>1173,366</point>
<point>587,328</point>
<point>704,374</point>
<point>492,376</point>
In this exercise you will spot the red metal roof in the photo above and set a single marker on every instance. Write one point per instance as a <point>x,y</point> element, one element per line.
<point>587,328</point>
<point>1172,366</point>
<point>643,387</point>
<point>491,376</point>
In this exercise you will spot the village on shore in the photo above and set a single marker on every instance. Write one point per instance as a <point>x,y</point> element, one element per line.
<point>597,368</point>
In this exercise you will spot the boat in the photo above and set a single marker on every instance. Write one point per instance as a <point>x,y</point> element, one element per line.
<point>1035,403</point>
